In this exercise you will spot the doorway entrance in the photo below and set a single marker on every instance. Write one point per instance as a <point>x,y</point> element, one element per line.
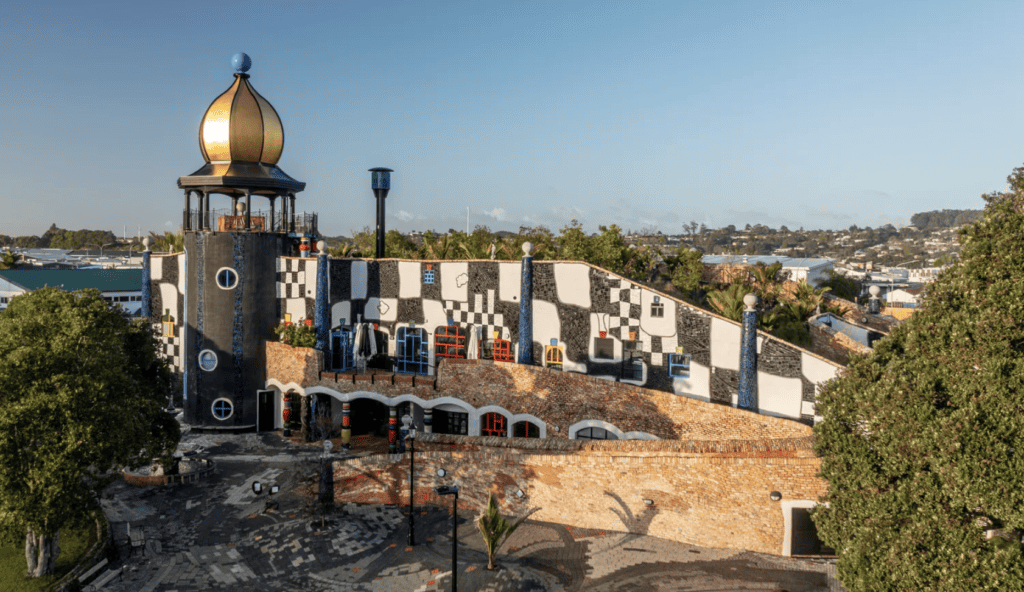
<point>265,411</point>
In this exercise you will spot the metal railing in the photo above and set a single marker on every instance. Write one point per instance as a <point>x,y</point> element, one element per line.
<point>303,223</point>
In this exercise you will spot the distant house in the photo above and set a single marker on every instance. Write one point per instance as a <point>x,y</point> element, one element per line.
<point>904,298</point>
<point>117,286</point>
<point>799,268</point>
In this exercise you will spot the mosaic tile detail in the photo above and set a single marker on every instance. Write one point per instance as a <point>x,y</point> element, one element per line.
<point>238,249</point>
<point>748,363</point>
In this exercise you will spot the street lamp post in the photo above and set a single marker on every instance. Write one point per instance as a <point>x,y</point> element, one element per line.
<point>453,490</point>
<point>381,184</point>
<point>411,430</point>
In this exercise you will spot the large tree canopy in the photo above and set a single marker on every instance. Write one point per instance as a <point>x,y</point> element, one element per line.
<point>922,441</point>
<point>81,394</point>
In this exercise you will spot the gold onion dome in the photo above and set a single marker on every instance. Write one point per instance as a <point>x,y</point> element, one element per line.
<point>241,138</point>
<point>240,125</point>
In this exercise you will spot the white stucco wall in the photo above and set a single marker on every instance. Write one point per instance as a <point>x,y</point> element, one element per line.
<point>725,344</point>
<point>572,284</point>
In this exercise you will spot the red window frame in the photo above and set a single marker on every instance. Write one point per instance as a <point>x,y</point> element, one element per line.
<point>530,429</point>
<point>503,350</point>
<point>450,342</point>
<point>493,424</point>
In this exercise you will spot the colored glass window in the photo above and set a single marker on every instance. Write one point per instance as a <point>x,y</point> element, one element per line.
<point>657,310</point>
<point>428,276</point>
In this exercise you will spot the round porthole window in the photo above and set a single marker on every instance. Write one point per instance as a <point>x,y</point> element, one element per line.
<point>222,409</point>
<point>227,278</point>
<point>207,360</point>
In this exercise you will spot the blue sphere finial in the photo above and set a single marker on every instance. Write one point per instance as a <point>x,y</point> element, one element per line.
<point>241,62</point>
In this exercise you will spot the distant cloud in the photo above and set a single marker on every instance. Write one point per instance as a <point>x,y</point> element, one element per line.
<point>404,216</point>
<point>498,214</point>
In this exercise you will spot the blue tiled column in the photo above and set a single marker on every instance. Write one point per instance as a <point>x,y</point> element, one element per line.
<point>322,319</point>
<point>147,297</point>
<point>748,356</point>
<point>526,308</point>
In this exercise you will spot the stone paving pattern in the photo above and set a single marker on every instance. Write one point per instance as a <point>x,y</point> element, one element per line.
<point>215,535</point>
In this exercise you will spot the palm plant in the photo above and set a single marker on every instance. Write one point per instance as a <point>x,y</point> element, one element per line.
<point>728,301</point>
<point>496,529</point>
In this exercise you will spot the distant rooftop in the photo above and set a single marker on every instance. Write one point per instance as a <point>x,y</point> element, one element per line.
<point>788,262</point>
<point>104,280</point>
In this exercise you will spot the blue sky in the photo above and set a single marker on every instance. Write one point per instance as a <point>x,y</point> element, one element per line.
<point>811,114</point>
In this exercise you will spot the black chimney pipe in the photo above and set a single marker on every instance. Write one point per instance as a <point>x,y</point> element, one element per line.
<point>381,183</point>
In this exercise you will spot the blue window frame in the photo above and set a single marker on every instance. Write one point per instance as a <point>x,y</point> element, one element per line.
<point>679,365</point>
<point>341,350</point>
<point>222,409</point>
<point>428,276</point>
<point>411,351</point>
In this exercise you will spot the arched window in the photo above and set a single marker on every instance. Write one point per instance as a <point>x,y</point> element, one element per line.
<point>493,424</point>
<point>450,342</point>
<point>553,355</point>
<point>595,434</point>
<point>525,429</point>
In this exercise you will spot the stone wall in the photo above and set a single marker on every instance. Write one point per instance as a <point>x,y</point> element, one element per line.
<point>711,493</point>
<point>560,399</point>
<point>834,345</point>
<point>293,365</point>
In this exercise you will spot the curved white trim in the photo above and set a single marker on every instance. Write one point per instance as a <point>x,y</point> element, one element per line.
<point>595,423</point>
<point>284,388</point>
<point>639,436</point>
<point>214,413</point>
<point>216,278</point>
<point>518,417</point>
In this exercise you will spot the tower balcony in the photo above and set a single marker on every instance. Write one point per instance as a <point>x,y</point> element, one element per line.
<point>298,224</point>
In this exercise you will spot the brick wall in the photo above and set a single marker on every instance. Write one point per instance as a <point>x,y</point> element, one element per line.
<point>711,493</point>
<point>560,399</point>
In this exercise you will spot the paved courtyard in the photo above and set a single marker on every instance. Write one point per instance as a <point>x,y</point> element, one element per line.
<point>215,535</point>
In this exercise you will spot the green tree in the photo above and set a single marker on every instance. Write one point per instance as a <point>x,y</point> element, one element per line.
<point>9,260</point>
<point>685,270</point>
<point>573,243</point>
<point>844,287</point>
<point>83,395</point>
<point>922,440</point>
<point>169,242</point>
<point>496,529</point>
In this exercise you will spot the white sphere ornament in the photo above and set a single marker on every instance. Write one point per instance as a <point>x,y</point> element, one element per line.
<point>321,246</point>
<point>751,301</point>
<point>146,242</point>
<point>527,247</point>
<point>873,290</point>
